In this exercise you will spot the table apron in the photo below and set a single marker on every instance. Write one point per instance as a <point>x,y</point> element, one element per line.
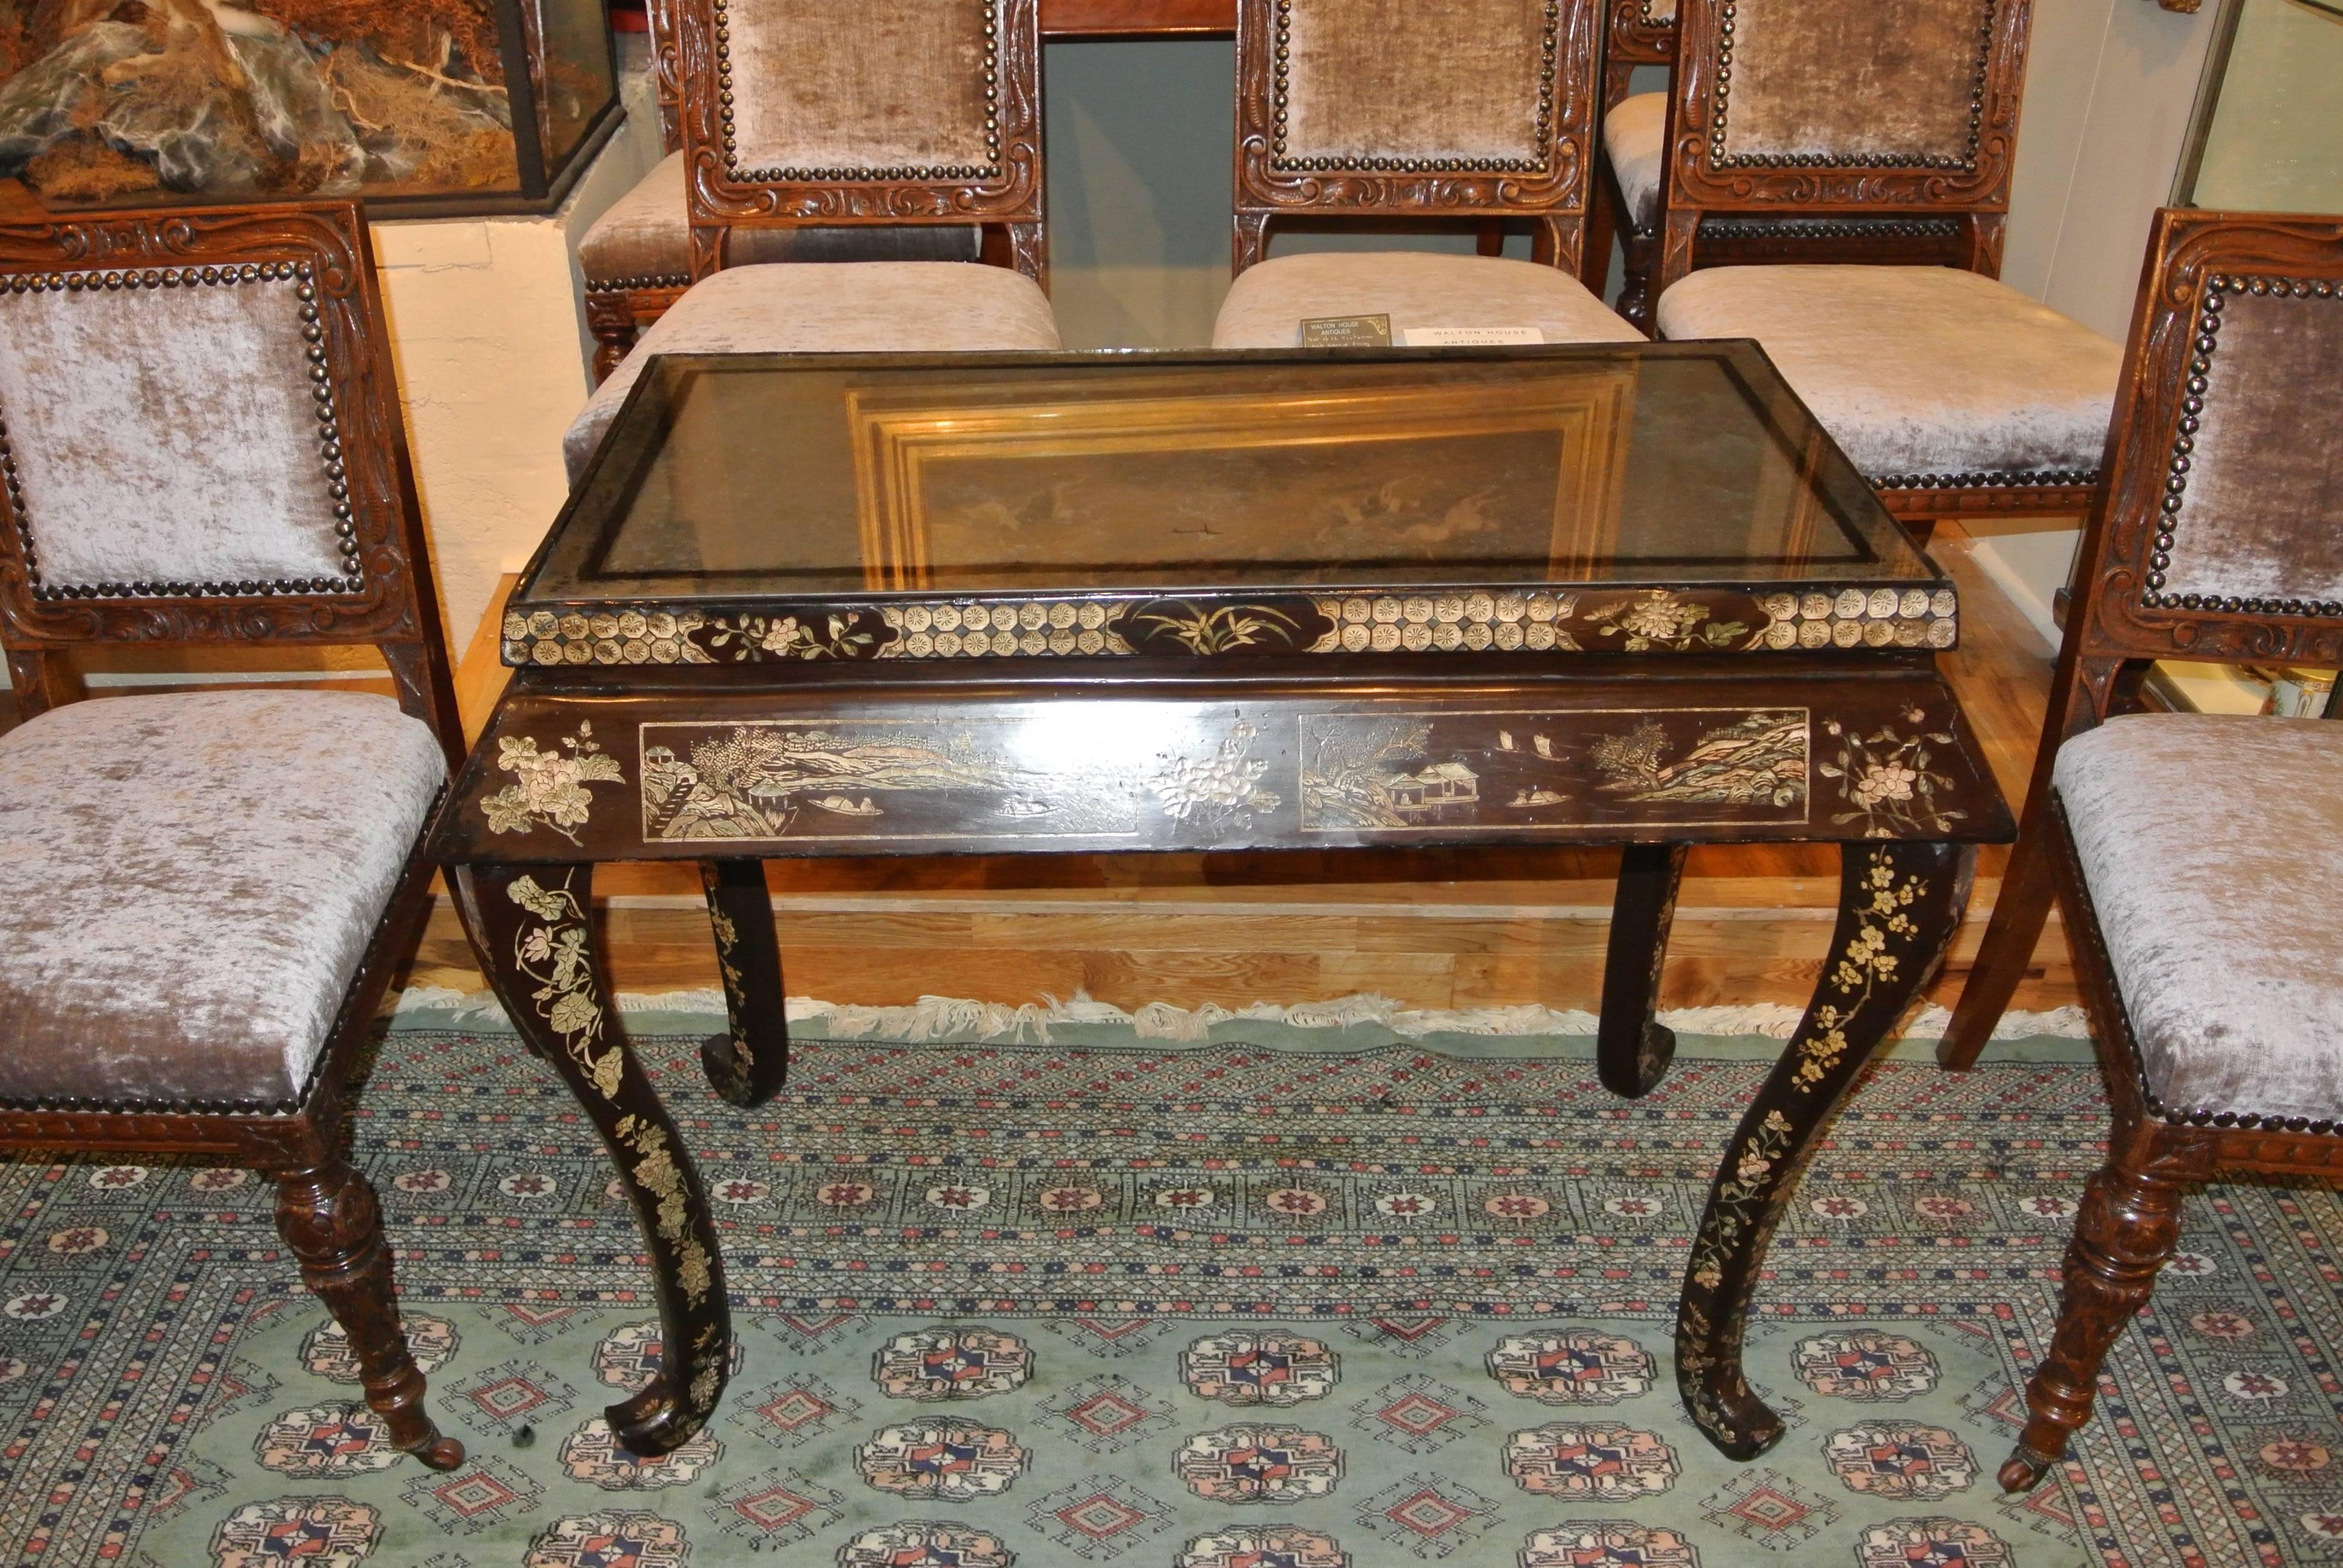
<point>774,773</point>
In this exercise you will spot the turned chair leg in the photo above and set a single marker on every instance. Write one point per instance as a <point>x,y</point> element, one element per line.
<point>610,319</point>
<point>1638,250</point>
<point>2128,1227</point>
<point>328,1215</point>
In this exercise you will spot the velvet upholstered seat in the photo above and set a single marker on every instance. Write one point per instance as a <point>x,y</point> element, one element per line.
<point>1876,137</point>
<point>191,880</point>
<point>1919,371</point>
<point>1267,304</point>
<point>2237,1006</point>
<point>847,307</point>
<point>637,256</point>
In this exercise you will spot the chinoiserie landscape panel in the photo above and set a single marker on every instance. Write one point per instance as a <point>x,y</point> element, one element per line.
<point>876,779</point>
<point>1401,771</point>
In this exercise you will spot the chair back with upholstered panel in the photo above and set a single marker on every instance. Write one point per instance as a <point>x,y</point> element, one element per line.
<point>1394,110</point>
<point>804,112</point>
<point>1904,109</point>
<point>200,441</point>
<point>2221,536</point>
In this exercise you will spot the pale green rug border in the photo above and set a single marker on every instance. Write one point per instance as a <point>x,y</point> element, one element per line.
<point>1343,1025</point>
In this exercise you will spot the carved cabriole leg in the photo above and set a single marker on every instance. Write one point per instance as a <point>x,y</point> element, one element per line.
<point>750,1064</point>
<point>328,1217</point>
<point>612,319</point>
<point>1632,1048</point>
<point>44,681</point>
<point>2129,1224</point>
<point>1899,904</point>
<point>529,925</point>
<point>2022,908</point>
<point>1029,252</point>
<point>1250,241</point>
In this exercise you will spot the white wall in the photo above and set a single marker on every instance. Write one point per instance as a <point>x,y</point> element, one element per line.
<point>489,336</point>
<point>2108,88</point>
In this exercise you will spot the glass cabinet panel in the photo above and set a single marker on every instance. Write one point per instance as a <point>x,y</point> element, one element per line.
<point>2270,117</point>
<point>410,104</point>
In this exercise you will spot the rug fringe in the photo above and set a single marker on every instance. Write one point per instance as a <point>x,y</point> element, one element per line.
<point>937,1018</point>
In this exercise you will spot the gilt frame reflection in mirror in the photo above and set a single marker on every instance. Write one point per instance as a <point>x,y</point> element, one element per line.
<point>946,486</point>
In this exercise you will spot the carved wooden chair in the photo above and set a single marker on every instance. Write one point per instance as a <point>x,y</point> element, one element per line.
<point>1635,146</point>
<point>1636,33</point>
<point>204,895</point>
<point>1375,111</point>
<point>2193,854</point>
<point>637,256</point>
<point>808,123</point>
<point>1954,394</point>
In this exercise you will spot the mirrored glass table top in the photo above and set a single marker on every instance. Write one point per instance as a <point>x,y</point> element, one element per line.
<point>1639,499</point>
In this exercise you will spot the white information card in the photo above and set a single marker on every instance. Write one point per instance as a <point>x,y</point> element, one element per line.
<point>1470,336</point>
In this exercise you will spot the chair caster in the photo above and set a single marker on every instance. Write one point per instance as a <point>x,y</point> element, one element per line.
<point>439,1453</point>
<point>2023,1470</point>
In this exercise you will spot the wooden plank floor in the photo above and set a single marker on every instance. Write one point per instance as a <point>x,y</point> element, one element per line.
<point>1433,928</point>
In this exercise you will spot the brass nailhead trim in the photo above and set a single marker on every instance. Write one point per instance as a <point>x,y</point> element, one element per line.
<point>329,433</point>
<point>1720,226</point>
<point>920,173</point>
<point>1719,158</point>
<point>2245,1121</point>
<point>1549,52</point>
<point>2217,289</point>
<point>622,284</point>
<point>2040,478</point>
<point>74,1103</point>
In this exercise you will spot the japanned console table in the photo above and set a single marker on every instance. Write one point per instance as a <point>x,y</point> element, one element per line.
<point>807,606</point>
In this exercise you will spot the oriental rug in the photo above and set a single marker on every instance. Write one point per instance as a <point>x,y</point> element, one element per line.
<point>1230,1295</point>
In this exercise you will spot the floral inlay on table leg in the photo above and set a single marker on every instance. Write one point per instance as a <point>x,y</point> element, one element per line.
<point>529,927</point>
<point>554,955</point>
<point>1899,904</point>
